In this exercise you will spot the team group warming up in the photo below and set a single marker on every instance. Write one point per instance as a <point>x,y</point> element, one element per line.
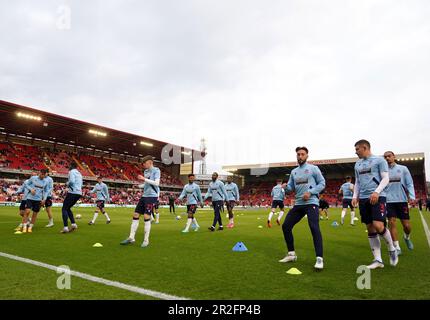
<point>381,190</point>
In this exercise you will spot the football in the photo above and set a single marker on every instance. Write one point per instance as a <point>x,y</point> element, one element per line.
<point>78,216</point>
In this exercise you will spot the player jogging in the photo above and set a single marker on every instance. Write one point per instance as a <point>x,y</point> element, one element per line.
<point>371,180</point>
<point>102,193</point>
<point>194,196</point>
<point>232,198</point>
<point>217,191</point>
<point>74,193</point>
<point>278,196</point>
<point>151,189</point>
<point>307,182</point>
<point>400,190</point>
<point>347,191</point>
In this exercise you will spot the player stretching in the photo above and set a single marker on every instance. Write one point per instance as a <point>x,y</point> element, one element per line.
<point>48,202</point>
<point>347,191</point>
<point>74,193</point>
<point>39,190</point>
<point>216,189</point>
<point>307,182</point>
<point>151,189</point>
<point>102,192</point>
<point>278,196</point>
<point>232,198</point>
<point>399,191</point>
<point>194,195</point>
<point>371,180</point>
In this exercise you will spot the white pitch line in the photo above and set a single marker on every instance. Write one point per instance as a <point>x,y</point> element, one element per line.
<point>426,228</point>
<point>120,285</point>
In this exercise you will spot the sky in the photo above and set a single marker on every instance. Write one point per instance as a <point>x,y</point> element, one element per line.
<point>254,78</point>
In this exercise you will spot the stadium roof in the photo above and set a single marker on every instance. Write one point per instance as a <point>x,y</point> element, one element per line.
<point>20,120</point>
<point>327,166</point>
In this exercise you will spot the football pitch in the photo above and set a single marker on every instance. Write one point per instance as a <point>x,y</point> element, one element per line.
<point>202,265</point>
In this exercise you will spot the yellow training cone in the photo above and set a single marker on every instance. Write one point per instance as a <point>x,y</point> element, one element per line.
<point>97,245</point>
<point>294,271</point>
<point>18,232</point>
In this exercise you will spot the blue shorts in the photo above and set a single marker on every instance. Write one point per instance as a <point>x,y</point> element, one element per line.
<point>370,213</point>
<point>146,205</point>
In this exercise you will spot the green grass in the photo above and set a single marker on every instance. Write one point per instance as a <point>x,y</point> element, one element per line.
<point>201,265</point>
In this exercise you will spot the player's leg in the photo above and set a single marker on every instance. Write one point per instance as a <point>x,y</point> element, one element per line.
<point>25,218</point>
<point>21,213</point>
<point>36,209</point>
<point>190,211</point>
<point>48,208</point>
<point>281,213</point>
<point>374,242</point>
<point>103,211</point>
<point>292,218</point>
<point>230,206</point>
<point>139,210</point>
<point>375,246</point>
<point>392,226</point>
<point>272,212</point>
<point>379,214</point>
<point>221,207</point>
<point>157,215</point>
<point>312,212</point>
<point>133,228</point>
<point>352,214</point>
<point>344,209</point>
<point>216,213</point>
<point>96,213</point>
<point>73,225</point>
<point>405,219</point>
<point>147,228</point>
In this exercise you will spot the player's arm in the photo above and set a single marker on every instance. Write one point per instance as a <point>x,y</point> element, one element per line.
<point>208,193</point>
<point>19,190</point>
<point>72,179</point>
<point>156,181</point>
<point>199,196</point>
<point>356,193</point>
<point>340,192</point>
<point>106,190</point>
<point>183,193</point>
<point>237,194</point>
<point>45,193</point>
<point>290,185</point>
<point>409,185</point>
<point>383,171</point>
<point>224,191</point>
<point>30,187</point>
<point>320,182</point>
